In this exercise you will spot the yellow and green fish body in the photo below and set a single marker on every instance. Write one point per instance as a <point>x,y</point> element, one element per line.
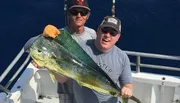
<point>71,62</point>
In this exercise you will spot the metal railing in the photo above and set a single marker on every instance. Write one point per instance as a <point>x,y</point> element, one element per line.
<point>9,68</point>
<point>139,55</point>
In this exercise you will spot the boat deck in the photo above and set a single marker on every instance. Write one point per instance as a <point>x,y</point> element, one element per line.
<point>36,86</point>
<point>48,99</point>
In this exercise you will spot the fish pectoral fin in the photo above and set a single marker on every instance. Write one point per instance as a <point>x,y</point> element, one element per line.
<point>52,76</point>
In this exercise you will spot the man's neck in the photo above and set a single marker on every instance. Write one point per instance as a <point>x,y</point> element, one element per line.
<point>98,47</point>
<point>77,30</point>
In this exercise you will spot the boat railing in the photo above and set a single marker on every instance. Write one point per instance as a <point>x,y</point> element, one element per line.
<point>139,55</point>
<point>10,67</point>
<point>137,64</point>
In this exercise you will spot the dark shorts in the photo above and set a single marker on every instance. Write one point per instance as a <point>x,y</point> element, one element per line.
<point>66,98</point>
<point>65,92</point>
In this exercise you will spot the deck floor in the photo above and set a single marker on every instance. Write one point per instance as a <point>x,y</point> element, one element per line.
<point>48,99</point>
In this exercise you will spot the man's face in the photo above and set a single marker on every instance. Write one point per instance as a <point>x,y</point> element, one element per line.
<point>78,16</point>
<point>106,38</point>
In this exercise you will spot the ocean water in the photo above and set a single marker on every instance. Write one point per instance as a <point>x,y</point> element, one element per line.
<point>151,26</point>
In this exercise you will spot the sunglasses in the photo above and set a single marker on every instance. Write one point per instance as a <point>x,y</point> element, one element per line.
<point>76,12</point>
<point>106,30</point>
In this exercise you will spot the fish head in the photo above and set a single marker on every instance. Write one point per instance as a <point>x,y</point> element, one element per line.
<point>41,55</point>
<point>46,52</point>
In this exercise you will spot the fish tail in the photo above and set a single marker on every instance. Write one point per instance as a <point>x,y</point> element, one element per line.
<point>133,98</point>
<point>124,100</point>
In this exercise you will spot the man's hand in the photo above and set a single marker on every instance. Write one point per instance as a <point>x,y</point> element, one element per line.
<point>51,31</point>
<point>126,91</point>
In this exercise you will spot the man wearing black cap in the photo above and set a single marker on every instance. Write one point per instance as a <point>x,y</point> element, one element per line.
<point>112,60</point>
<point>78,13</point>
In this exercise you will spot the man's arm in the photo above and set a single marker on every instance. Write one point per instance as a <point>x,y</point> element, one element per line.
<point>58,77</point>
<point>126,79</point>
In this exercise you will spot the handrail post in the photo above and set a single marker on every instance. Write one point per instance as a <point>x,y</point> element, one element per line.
<point>3,75</point>
<point>138,61</point>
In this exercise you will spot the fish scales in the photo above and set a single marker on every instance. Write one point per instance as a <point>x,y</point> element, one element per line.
<point>63,55</point>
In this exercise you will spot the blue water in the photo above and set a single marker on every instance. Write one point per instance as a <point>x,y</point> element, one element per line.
<point>147,25</point>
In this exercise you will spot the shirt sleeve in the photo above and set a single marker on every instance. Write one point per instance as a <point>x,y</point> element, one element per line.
<point>91,32</point>
<point>94,34</point>
<point>126,76</point>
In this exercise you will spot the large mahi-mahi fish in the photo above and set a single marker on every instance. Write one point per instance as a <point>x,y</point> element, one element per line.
<point>63,55</point>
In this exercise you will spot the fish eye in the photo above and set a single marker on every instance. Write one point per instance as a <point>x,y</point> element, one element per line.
<point>39,51</point>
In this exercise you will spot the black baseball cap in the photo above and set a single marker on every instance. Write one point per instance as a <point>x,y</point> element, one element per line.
<point>79,4</point>
<point>112,22</point>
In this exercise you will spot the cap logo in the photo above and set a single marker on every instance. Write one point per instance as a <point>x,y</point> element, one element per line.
<point>80,2</point>
<point>112,20</point>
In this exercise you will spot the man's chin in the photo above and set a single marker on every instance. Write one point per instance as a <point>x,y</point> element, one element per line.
<point>78,24</point>
<point>104,47</point>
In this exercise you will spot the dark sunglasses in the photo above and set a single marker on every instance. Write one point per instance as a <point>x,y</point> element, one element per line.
<point>75,12</point>
<point>106,30</point>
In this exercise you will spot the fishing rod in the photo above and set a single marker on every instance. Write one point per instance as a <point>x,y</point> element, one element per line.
<point>113,8</point>
<point>113,15</point>
<point>65,12</point>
